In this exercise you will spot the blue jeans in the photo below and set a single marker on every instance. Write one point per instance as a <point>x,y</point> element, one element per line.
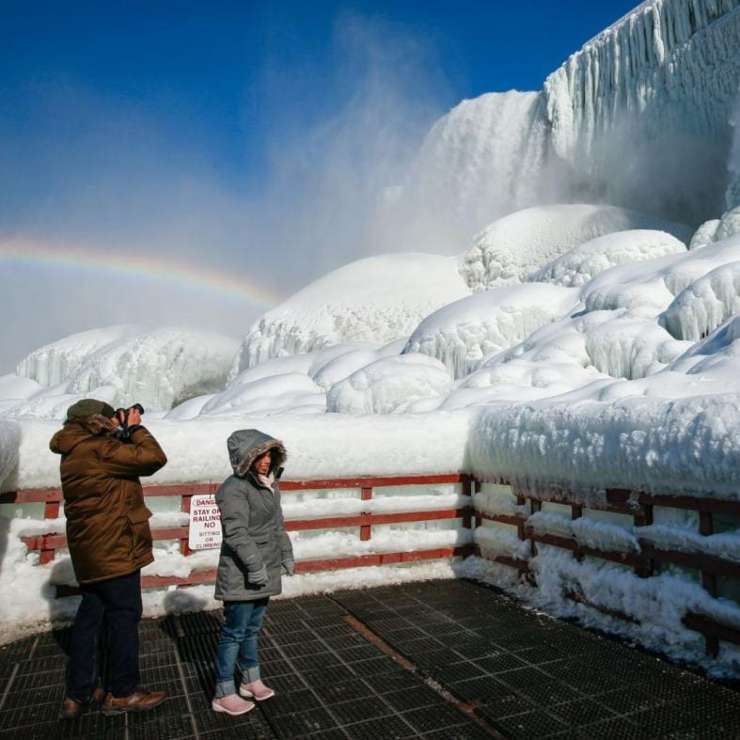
<point>237,644</point>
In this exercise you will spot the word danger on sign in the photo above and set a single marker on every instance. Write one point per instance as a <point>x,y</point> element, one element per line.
<point>205,523</point>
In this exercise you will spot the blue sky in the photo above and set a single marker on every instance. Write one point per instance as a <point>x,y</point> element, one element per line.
<point>215,80</point>
<point>249,137</point>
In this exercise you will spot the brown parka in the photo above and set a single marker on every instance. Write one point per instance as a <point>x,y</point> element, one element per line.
<point>107,522</point>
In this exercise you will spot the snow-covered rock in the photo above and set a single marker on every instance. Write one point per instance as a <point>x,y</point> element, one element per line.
<point>576,267</point>
<point>465,332</point>
<point>378,299</point>
<point>392,385</point>
<point>510,249</point>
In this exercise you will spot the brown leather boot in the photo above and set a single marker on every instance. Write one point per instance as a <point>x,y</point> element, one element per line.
<point>140,701</point>
<point>72,709</point>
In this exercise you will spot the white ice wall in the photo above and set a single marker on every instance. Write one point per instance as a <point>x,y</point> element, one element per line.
<point>644,108</point>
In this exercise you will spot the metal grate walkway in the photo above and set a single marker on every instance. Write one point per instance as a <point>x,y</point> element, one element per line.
<point>446,660</point>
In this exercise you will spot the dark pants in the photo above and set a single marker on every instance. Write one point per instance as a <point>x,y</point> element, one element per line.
<point>110,611</point>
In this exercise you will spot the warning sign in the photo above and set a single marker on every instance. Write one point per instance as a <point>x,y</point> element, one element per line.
<point>205,523</point>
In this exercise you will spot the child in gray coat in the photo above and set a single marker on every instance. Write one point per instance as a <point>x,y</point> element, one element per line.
<point>255,552</point>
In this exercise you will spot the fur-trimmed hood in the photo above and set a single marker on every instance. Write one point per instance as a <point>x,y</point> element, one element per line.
<point>246,445</point>
<point>76,430</point>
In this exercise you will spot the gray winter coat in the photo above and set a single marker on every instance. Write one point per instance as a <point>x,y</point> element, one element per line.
<point>251,521</point>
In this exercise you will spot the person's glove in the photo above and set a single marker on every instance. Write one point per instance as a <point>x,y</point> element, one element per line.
<point>288,567</point>
<point>258,577</point>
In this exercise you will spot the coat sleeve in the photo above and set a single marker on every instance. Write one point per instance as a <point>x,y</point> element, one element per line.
<point>234,509</point>
<point>141,456</point>
<point>286,547</point>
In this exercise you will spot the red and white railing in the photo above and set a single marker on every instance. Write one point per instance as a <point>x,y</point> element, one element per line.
<point>639,506</point>
<point>47,545</point>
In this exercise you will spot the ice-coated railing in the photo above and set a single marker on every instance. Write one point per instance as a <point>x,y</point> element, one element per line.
<point>369,512</point>
<point>646,535</point>
<point>515,525</point>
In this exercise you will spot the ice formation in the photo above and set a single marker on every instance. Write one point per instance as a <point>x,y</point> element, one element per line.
<point>660,80</point>
<point>378,299</point>
<point>464,333</point>
<point>57,362</point>
<point>391,386</point>
<point>484,158</point>
<point>576,267</point>
<point>123,365</point>
<point>517,245</point>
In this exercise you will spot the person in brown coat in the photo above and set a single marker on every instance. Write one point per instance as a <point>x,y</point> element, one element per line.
<point>109,543</point>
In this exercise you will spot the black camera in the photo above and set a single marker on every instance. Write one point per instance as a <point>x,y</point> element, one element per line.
<point>124,431</point>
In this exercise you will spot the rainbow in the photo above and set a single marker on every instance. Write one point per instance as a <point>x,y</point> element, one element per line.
<point>22,251</point>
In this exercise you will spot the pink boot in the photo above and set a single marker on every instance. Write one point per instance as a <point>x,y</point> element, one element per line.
<point>256,690</point>
<point>232,704</point>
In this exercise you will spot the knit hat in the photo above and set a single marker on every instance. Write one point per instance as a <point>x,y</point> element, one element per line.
<point>90,407</point>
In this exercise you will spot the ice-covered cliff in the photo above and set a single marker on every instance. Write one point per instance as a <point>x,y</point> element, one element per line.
<point>640,117</point>
<point>644,109</point>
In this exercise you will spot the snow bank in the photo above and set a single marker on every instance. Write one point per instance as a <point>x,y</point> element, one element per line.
<point>323,446</point>
<point>464,333</point>
<point>576,267</point>
<point>378,299</point>
<point>158,368</point>
<point>521,243</point>
<point>687,445</point>
<point>390,386</point>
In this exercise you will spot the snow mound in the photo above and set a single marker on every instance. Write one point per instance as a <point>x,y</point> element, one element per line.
<point>277,394</point>
<point>713,362</point>
<point>464,333</point>
<point>378,299</point>
<point>582,263</point>
<point>390,386</point>
<point>14,389</point>
<point>651,286</point>
<point>628,347</point>
<point>705,304</point>
<point>516,245</point>
<point>59,361</point>
<point>342,367</point>
<point>550,362</point>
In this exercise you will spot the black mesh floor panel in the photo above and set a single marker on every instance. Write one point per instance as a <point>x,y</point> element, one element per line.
<point>522,675</point>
